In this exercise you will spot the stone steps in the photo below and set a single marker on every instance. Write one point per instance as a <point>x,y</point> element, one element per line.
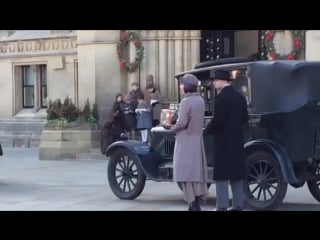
<point>21,132</point>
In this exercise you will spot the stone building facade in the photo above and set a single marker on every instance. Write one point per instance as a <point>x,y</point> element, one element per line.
<point>38,65</point>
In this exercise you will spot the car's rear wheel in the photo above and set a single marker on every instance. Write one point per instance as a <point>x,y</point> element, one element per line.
<point>314,185</point>
<point>264,185</point>
<point>125,176</point>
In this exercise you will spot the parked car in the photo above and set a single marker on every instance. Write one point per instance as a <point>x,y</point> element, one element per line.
<point>282,139</point>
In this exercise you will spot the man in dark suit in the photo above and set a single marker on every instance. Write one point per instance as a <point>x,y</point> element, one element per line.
<point>230,114</point>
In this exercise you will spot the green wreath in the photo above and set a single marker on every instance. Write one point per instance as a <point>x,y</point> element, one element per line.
<point>298,44</point>
<point>125,38</point>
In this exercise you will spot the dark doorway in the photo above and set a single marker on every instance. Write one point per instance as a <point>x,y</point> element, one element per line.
<point>221,44</point>
<point>216,44</point>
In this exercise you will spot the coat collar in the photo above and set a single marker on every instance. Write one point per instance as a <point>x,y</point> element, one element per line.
<point>192,94</point>
<point>227,88</point>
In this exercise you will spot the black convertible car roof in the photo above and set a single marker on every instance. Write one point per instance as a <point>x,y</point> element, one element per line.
<point>276,86</point>
<point>283,86</point>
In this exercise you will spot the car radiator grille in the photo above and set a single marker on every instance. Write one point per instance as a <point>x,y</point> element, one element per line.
<point>168,147</point>
<point>164,144</point>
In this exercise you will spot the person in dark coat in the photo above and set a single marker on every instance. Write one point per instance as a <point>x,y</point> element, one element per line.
<point>107,138</point>
<point>130,117</point>
<point>153,97</point>
<point>134,94</point>
<point>154,100</point>
<point>230,115</point>
<point>118,125</point>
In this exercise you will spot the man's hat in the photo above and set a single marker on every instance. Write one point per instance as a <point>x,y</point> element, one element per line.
<point>221,75</point>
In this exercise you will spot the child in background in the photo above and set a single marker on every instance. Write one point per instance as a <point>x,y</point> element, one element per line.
<point>144,118</point>
<point>130,117</point>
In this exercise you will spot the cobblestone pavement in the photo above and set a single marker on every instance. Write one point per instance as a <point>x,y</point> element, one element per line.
<point>27,183</point>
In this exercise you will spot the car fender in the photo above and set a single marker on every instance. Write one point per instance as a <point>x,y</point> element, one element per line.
<point>279,153</point>
<point>136,147</point>
<point>149,160</point>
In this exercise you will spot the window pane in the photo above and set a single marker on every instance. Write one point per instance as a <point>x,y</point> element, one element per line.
<point>28,100</point>
<point>44,74</point>
<point>44,96</point>
<point>29,76</point>
<point>226,46</point>
<point>241,83</point>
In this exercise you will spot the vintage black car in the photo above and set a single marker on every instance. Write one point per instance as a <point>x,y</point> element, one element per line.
<point>282,139</point>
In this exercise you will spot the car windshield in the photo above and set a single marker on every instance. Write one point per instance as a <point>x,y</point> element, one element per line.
<point>241,83</point>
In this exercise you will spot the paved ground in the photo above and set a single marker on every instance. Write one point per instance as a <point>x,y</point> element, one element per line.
<point>27,183</point>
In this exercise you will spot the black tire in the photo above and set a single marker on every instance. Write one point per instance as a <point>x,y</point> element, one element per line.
<point>180,186</point>
<point>314,186</point>
<point>125,176</point>
<point>264,177</point>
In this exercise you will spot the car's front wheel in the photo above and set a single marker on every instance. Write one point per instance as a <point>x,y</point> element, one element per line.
<point>125,176</point>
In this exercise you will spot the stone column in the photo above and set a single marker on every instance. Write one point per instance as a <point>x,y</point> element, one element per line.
<point>100,76</point>
<point>163,61</point>
<point>133,76</point>
<point>171,67</point>
<point>152,61</point>
<point>195,36</point>
<point>186,51</point>
<point>178,44</point>
<point>312,45</point>
<point>143,65</point>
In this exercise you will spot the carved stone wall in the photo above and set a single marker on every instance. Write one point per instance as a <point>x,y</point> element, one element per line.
<point>38,47</point>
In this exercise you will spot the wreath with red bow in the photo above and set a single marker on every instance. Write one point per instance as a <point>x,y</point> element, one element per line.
<point>298,45</point>
<point>125,38</point>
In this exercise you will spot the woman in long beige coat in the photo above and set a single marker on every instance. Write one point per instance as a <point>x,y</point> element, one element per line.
<point>189,159</point>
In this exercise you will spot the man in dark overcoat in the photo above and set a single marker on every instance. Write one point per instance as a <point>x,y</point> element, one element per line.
<point>230,115</point>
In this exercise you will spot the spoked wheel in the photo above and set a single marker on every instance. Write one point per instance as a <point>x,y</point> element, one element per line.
<point>125,176</point>
<point>314,186</point>
<point>264,186</point>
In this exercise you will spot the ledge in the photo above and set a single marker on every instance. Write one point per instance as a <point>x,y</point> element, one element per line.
<point>39,47</point>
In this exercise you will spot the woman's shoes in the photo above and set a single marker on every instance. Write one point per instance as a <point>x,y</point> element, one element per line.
<point>195,205</point>
<point>192,207</point>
